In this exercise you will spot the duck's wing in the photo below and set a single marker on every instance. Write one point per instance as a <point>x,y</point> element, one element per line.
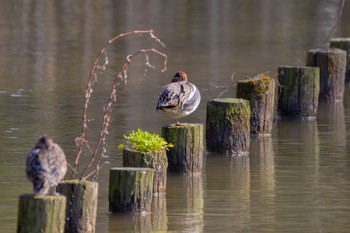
<point>169,96</point>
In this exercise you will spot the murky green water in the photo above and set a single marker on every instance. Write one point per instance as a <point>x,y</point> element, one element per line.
<point>295,181</point>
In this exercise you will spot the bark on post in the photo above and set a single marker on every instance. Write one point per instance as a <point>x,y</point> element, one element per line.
<point>260,92</point>
<point>44,214</point>
<point>300,88</point>
<point>332,64</point>
<point>81,207</point>
<point>130,189</point>
<point>344,44</point>
<point>228,126</point>
<point>156,160</point>
<point>187,153</point>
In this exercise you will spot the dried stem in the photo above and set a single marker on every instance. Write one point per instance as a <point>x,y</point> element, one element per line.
<point>121,76</point>
<point>338,22</point>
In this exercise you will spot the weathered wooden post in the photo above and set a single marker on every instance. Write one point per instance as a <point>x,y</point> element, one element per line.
<point>332,64</point>
<point>41,213</point>
<point>156,160</point>
<point>300,88</point>
<point>130,189</point>
<point>228,125</point>
<point>81,207</point>
<point>344,44</point>
<point>187,153</point>
<point>260,91</point>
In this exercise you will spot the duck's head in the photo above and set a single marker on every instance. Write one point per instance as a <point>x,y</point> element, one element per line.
<point>44,142</point>
<point>180,76</point>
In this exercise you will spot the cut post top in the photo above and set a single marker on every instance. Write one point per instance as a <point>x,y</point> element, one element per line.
<point>346,39</point>
<point>75,181</point>
<point>327,50</point>
<point>131,169</point>
<point>183,125</point>
<point>228,100</point>
<point>298,67</point>
<point>46,197</point>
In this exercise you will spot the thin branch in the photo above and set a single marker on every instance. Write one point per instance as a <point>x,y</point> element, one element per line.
<point>338,22</point>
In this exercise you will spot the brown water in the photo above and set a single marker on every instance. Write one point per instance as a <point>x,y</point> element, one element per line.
<point>298,180</point>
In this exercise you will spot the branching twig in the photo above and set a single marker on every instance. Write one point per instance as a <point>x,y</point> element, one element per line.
<point>120,77</point>
<point>338,22</point>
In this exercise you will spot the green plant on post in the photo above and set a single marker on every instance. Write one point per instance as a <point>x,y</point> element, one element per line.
<point>145,142</point>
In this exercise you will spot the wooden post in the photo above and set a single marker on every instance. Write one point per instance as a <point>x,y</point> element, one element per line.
<point>187,153</point>
<point>42,213</point>
<point>344,44</point>
<point>332,64</point>
<point>81,207</point>
<point>300,88</point>
<point>228,126</point>
<point>130,189</point>
<point>156,160</point>
<point>260,92</point>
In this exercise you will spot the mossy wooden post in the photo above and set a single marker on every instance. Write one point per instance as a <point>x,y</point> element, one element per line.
<point>130,189</point>
<point>332,64</point>
<point>187,153</point>
<point>300,88</point>
<point>260,92</point>
<point>228,126</point>
<point>45,214</point>
<point>81,207</point>
<point>156,160</point>
<point>344,44</point>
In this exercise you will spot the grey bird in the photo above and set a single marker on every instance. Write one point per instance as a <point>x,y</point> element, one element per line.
<point>179,98</point>
<point>46,166</point>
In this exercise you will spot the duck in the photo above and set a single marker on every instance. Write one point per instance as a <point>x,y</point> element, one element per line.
<point>46,166</point>
<point>179,98</point>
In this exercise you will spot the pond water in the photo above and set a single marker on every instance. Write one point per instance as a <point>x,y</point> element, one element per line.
<point>297,180</point>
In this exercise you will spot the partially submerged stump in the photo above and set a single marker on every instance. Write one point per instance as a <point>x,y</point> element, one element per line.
<point>344,44</point>
<point>228,126</point>
<point>300,88</point>
<point>45,214</point>
<point>187,153</point>
<point>332,64</point>
<point>156,160</point>
<point>81,207</point>
<point>130,189</point>
<point>260,91</point>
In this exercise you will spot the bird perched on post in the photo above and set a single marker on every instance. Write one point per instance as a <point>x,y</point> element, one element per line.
<point>179,98</point>
<point>46,165</point>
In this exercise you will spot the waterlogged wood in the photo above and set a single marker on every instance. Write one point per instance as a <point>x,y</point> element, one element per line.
<point>344,44</point>
<point>156,160</point>
<point>300,88</point>
<point>187,153</point>
<point>228,126</point>
<point>130,189</point>
<point>260,91</point>
<point>81,207</point>
<point>332,64</point>
<point>45,214</point>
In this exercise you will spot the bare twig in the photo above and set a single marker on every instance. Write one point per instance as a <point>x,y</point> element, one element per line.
<point>337,23</point>
<point>96,154</point>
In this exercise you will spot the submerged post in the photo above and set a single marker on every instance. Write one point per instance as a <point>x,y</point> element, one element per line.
<point>41,213</point>
<point>344,44</point>
<point>228,126</point>
<point>81,207</point>
<point>332,63</point>
<point>300,88</point>
<point>156,160</point>
<point>187,153</point>
<point>130,189</point>
<point>260,91</point>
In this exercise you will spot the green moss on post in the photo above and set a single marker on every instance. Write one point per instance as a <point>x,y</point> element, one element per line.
<point>300,88</point>
<point>156,160</point>
<point>344,44</point>
<point>332,64</point>
<point>228,126</point>
<point>260,92</point>
<point>187,153</point>
<point>130,189</point>
<point>45,214</point>
<point>81,207</point>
